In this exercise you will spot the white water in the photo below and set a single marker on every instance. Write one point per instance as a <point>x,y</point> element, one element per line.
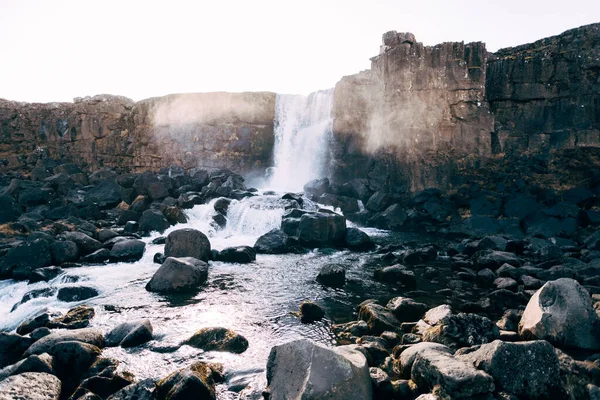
<point>303,128</point>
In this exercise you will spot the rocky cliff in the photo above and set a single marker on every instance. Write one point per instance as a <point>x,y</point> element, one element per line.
<point>207,130</point>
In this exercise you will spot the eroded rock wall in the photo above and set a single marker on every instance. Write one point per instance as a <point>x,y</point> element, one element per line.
<point>208,130</point>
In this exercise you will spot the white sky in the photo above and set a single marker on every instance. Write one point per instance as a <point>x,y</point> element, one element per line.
<point>54,50</point>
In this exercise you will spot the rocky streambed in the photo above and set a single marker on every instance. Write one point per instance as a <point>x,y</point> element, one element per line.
<point>186,284</point>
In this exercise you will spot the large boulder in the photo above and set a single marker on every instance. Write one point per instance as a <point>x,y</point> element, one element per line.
<point>130,334</point>
<point>562,313</point>
<point>357,240</point>
<point>273,242</point>
<point>378,318</point>
<point>188,243</point>
<point>322,228</point>
<point>20,261</point>
<point>435,367</point>
<point>127,250</point>
<point>178,275</point>
<point>333,275</point>
<point>528,370</point>
<point>153,220</point>
<point>406,309</point>
<point>462,330</point>
<point>86,335</point>
<point>196,381</point>
<point>218,339</point>
<point>106,194</point>
<point>305,370</point>
<point>142,390</point>
<point>317,187</point>
<point>85,243</point>
<point>64,251</point>
<point>31,386</point>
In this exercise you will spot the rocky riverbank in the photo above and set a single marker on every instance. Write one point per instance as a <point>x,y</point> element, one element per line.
<point>501,303</point>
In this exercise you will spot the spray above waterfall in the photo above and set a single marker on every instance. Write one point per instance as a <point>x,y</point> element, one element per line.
<point>303,126</point>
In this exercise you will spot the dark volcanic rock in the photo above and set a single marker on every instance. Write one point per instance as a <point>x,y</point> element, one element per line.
<point>64,251</point>
<point>106,194</point>
<point>85,243</point>
<point>12,347</point>
<point>333,275</point>
<point>76,293</point>
<point>153,220</point>
<point>21,260</point>
<point>239,254</point>
<point>127,250</point>
<point>178,275</point>
<point>357,240</point>
<point>195,381</point>
<point>187,243</point>
<point>273,242</point>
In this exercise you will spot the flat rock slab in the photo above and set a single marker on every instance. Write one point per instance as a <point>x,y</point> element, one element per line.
<point>30,386</point>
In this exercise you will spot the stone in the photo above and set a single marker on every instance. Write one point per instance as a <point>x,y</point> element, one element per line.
<point>357,240</point>
<point>12,347</point>
<point>379,201</point>
<point>378,318</point>
<point>73,358</point>
<point>406,309</point>
<point>303,369</point>
<point>32,324</point>
<point>130,334</point>
<point>397,274</point>
<point>20,261</point>
<point>323,228</point>
<point>392,218</point>
<point>529,370</point>
<point>188,243</point>
<point>462,330</point>
<point>44,274</point>
<point>506,283</point>
<point>36,363</point>
<point>495,259</point>
<point>347,205</point>
<point>153,221</point>
<point>562,313</point>
<point>218,339</point>
<point>317,187</point>
<point>76,293</point>
<point>238,254</point>
<point>311,312</point>
<point>106,194</point>
<point>175,215</point>
<point>97,257</point>
<point>142,390</point>
<point>64,251</point>
<point>333,275</point>
<point>47,343</point>
<point>178,275</point>
<point>436,314</point>
<point>273,242</point>
<point>31,386</point>
<point>76,318</point>
<point>196,381</point>
<point>85,243</point>
<point>129,250</point>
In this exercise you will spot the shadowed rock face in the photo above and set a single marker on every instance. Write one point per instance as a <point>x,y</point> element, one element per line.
<point>211,130</point>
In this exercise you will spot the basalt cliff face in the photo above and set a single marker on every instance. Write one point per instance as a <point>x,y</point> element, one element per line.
<point>207,130</point>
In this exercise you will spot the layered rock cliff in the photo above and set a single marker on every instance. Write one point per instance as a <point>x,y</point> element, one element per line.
<point>207,130</point>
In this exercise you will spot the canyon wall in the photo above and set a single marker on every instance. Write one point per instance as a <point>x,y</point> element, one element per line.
<point>208,130</point>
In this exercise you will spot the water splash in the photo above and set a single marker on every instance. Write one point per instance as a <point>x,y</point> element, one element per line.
<point>303,127</point>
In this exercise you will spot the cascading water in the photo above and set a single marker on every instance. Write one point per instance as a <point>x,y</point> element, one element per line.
<point>303,126</point>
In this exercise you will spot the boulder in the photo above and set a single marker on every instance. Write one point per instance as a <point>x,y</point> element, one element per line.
<point>32,324</point>
<point>322,228</point>
<point>357,240</point>
<point>218,339</point>
<point>73,358</point>
<point>317,187</point>
<point>142,390</point>
<point>76,318</point>
<point>379,201</point>
<point>86,335</point>
<point>9,210</point>
<point>434,367</point>
<point>20,261</point>
<point>462,330</point>
<point>175,215</point>
<point>333,275</point>
<point>528,370</point>
<point>310,312</point>
<point>127,250</point>
<point>395,274</point>
<point>406,309</point>
<point>196,381</point>
<point>178,275</point>
<point>378,318</point>
<point>35,363</point>
<point>76,293</point>
<point>153,221</point>
<point>12,347</point>
<point>97,257</point>
<point>273,242</point>
<point>64,251</point>
<point>392,218</point>
<point>562,313</point>
<point>306,370</point>
<point>85,243</point>
<point>44,274</point>
<point>130,334</point>
<point>31,386</point>
<point>239,254</point>
<point>495,259</point>
<point>408,356</point>
<point>106,194</point>
<point>188,243</point>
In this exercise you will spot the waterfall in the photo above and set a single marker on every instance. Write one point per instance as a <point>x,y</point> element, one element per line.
<point>303,126</point>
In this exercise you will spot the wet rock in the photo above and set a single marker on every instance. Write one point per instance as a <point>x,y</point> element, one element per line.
<point>462,330</point>
<point>434,367</point>
<point>218,339</point>
<point>86,335</point>
<point>39,333</point>
<point>73,358</point>
<point>196,381</point>
<point>348,205</point>
<point>178,275</point>
<point>187,243</point>
<point>11,347</point>
<point>506,283</point>
<point>397,274</point>
<point>32,324</point>
<point>317,187</point>
<point>153,221</point>
<point>127,251</point>
<point>76,293</point>
<point>44,274</point>
<point>273,242</point>
<point>97,257</point>
<point>85,243</point>
<point>485,278</point>
<point>494,259</point>
<point>106,194</point>
<point>239,254</point>
<point>357,240</point>
<point>159,258</point>
<point>142,390</point>
<point>382,386</point>
<point>311,312</point>
<point>36,363</point>
<point>303,369</point>
<point>19,261</point>
<point>323,228</point>
<point>175,215</point>
<point>333,275</point>
<point>529,370</point>
<point>406,309</point>
<point>64,251</point>
<point>130,334</point>
<point>31,386</point>
<point>562,313</point>
<point>379,201</point>
<point>393,218</point>
<point>76,318</point>
<point>378,318</point>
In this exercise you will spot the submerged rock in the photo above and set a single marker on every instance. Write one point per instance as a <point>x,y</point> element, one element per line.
<point>188,243</point>
<point>357,240</point>
<point>239,254</point>
<point>218,339</point>
<point>562,313</point>
<point>333,275</point>
<point>76,318</point>
<point>310,371</point>
<point>178,275</point>
<point>273,242</point>
<point>76,293</point>
<point>311,312</point>
<point>31,386</point>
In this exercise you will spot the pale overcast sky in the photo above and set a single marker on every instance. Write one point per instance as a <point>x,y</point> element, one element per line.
<point>54,50</point>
